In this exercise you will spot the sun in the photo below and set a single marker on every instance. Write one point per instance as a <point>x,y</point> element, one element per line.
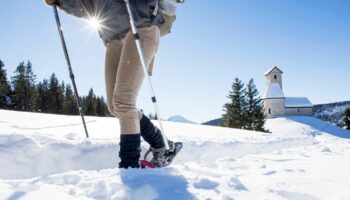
<point>95,23</point>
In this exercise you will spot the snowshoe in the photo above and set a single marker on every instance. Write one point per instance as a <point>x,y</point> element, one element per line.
<point>161,157</point>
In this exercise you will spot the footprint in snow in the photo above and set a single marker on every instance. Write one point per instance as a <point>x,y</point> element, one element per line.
<point>326,150</point>
<point>206,184</point>
<point>296,195</point>
<point>237,184</point>
<point>16,195</point>
<point>269,173</point>
<point>289,170</point>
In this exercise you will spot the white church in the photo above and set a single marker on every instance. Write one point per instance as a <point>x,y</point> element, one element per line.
<point>276,104</point>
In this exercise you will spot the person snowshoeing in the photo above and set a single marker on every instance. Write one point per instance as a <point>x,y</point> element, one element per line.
<point>123,71</point>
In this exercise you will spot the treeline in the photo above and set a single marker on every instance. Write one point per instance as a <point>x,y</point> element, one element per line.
<point>346,119</point>
<point>245,109</point>
<point>332,112</point>
<point>23,93</point>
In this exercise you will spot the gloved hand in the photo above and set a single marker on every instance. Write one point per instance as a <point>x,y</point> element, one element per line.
<point>53,2</point>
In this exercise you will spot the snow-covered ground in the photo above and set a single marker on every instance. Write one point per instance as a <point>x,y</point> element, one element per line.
<point>46,157</point>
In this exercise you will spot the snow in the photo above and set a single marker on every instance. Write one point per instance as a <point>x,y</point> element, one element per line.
<point>273,91</point>
<point>297,102</point>
<point>46,156</point>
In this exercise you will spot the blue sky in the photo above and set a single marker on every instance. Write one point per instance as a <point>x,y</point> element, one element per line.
<point>212,43</point>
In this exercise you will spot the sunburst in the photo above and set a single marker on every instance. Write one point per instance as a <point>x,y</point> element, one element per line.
<point>95,23</point>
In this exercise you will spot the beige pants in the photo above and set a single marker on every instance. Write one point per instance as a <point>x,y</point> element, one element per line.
<point>124,76</point>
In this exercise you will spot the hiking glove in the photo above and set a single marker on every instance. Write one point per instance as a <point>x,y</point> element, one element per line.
<point>53,2</point>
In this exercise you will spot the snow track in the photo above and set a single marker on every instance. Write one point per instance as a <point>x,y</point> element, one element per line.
<point>32,156</point>
<point>42,154</point>
<point>25,157</point>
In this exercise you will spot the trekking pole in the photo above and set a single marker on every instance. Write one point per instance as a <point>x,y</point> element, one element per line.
<point>144,67</point>
<point>59,26</point>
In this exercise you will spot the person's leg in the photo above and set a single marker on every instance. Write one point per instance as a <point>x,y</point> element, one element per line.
<point>151,134</point>
<point>127,143</point>
<point>128,83</point>
<point>112,59</point>
<point>154,137</point>
<point>113,54</point>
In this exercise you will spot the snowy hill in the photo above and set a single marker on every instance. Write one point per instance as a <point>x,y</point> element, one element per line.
<point>45,156</point>
<point>181,119</point>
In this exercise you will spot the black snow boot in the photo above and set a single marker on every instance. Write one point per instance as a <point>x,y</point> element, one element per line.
<point>151,133</point>
<point>129,151</point>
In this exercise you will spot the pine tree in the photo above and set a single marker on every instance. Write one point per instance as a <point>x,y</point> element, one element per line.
<point>22,84</point>
<point>101,107</point>
<point>5,88</point>
<point>56,95</point>
<point>234,110</point>
<point>31,78</point>
<point>4,84</point>
<point>254,112</point>
<point>70,106</point>
<point>43,98</point>
<point>90,104</point>
<point>346,119</point>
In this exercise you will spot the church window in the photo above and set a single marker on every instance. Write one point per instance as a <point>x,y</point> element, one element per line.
<point>269,111</point>
<point>275,76</point>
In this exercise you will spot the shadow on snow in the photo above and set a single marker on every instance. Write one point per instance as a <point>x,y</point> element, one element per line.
<point>321,126</point>
<point>155,184</point>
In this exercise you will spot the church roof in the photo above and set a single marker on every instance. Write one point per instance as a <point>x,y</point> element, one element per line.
<point>292,102</point>
<point>273,91</point>
<point>271,69</point>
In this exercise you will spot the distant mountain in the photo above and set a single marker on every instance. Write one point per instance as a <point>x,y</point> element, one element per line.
<point>215,122</point>
<point>181,119</point>
<point>331,112</point>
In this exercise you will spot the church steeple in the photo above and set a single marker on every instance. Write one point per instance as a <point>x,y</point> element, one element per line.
<point>274,75</point>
